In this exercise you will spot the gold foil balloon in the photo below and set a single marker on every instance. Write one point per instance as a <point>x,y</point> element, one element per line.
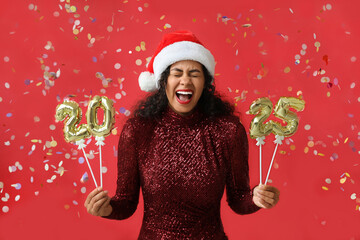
<point>109,116</point>
<point>263,108</point>
<point>72,114</point>
<point>282,111</point>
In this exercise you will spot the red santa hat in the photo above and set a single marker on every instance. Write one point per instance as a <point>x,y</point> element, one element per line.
<point>174,47</point>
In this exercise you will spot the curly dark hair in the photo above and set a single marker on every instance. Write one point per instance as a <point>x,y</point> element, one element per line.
<point>210,103</point>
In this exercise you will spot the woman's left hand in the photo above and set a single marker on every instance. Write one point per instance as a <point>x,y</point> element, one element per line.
<point>266,196</point>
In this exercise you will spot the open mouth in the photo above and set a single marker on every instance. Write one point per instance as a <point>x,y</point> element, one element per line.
<point>184,96</point>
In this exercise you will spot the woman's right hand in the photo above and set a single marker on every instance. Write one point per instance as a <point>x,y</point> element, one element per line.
<point>97,203</point>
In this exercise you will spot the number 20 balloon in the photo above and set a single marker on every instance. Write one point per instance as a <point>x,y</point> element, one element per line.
<point>72,114</point>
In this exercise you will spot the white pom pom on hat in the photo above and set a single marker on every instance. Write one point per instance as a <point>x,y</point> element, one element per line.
<point>174,47</point>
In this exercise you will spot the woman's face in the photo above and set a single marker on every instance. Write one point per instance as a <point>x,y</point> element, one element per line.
<point>184,86</point>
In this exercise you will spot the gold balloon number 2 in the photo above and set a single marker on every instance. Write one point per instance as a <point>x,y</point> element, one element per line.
<point>72,114</point>
<point>263,107</point>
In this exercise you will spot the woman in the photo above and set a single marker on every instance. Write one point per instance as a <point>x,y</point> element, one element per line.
<point>183,146</point>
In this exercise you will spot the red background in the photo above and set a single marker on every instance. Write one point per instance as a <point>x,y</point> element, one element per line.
<point>252,61</point>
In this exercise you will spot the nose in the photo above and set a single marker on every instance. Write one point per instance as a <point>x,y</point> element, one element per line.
<point>185,79</point>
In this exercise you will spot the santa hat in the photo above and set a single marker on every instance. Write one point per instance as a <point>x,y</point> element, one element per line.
<point>174,47</point>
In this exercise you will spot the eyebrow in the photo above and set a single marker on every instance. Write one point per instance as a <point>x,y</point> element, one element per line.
<point>179,70</point>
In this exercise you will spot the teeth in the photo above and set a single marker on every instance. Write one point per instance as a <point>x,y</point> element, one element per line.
<point>185,93</point>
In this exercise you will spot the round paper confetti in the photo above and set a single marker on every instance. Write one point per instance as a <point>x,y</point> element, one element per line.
<point>7,85</point>
<point>31,6</point>
<point>117,66</point>
<point>307,127</point>
<point>83,190</point>
<point>52,127</point>
<point>5,209</point>
<point>138,62</point>
<point>118,96</point>
<point>287,70</point>
<point>353,196</point>
<point>328,180</point>
<point>352,59</point>
<point>6,59</point>
<point>56,14</point>
<point>73,9</point>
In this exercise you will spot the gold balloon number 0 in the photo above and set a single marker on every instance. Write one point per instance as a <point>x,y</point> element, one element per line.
<point>72,114</point>
<point>263,107</point>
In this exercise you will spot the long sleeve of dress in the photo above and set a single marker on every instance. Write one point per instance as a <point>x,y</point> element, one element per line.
<point>126,199</point>
<point>238,192</point>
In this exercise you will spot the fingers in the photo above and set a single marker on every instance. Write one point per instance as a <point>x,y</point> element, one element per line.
<point>266,196</point>
<point>91,195</point>
<point>99,204</point>
<point>96,200</point>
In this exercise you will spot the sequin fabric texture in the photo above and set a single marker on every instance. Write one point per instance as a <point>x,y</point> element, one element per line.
<point>183,165</point>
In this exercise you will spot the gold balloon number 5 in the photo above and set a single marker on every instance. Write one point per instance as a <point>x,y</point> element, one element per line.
<point>72,114</point>
<point>263,108</point>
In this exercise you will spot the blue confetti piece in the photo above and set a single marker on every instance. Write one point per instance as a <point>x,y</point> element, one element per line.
<point>9,114</point>
<point>122,110</point>
<point>94,59</point>
<point>27,82</point>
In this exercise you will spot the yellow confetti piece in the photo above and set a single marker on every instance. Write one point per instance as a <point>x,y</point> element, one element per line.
<point>311,144</point>
<point>346,140</point>
<point>66,206</point>
<point>324,188</point>
<point>137,48</point>
<point>76,31</point>
<point>142,45</point>
<point>114,131</point>
<point>53,143</point>
<point>73,9</point>
<point>89,36</point>
<point>321,154</point>
<point>244,34</point>
<point>194,20</point>
<point>348,175</point>
<point>282,152</point>
<point>38,84</point>
<point>86,8</point>
<point>146,22</point>
<point>287,70</point>
<point>290,89</point>
<point>292,147</point>
<point>34,140</point>
<point>357,208</point>
<point>162,17</point>
<point>62,173</point>
<point>343,180</point>
<point>49,154</point>
<point>328,94</point>
<point>306,150</point>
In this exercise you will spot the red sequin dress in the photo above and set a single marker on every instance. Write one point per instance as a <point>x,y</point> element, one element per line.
<point>182,165</point>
